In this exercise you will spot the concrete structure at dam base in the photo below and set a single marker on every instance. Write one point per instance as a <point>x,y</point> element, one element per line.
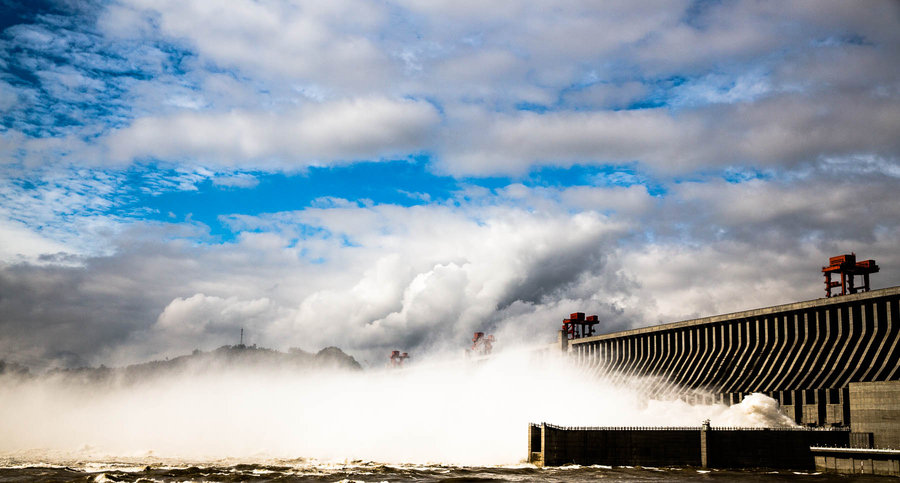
<point>869,445</point>
<point>707,447</point>
<point>857,461</point>
<point>831,363</point>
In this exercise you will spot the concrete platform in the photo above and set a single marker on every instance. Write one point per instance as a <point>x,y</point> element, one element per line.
<point>857,461</point>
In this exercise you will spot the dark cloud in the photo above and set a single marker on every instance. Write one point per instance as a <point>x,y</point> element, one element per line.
<point>58,316</point>
<point>779,213</point>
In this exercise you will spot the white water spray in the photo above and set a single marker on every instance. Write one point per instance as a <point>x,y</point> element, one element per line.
<point>459,412</point>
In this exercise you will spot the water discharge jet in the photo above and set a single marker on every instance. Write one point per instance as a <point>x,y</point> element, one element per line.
<point>271,412</point>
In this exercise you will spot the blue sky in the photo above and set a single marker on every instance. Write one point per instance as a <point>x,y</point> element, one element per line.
<point>430,168</point>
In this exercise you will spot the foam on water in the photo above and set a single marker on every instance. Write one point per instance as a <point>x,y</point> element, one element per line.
<point>372,472</point>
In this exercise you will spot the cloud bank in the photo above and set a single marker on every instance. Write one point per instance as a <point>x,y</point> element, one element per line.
<point>397,175</point>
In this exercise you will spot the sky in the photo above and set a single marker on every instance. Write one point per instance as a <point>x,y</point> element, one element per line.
<point>397,174</point>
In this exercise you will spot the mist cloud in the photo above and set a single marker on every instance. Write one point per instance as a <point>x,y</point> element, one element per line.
<point>421,414</point>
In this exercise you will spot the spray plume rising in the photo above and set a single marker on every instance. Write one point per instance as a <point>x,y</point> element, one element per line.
<point>446,411</point>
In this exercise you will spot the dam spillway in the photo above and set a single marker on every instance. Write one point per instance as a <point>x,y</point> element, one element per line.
<point>831,363</point>
<point>804,354</point>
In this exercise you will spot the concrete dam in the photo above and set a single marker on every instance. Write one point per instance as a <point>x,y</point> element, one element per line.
<point>803,354</point>
<point>833,365</point>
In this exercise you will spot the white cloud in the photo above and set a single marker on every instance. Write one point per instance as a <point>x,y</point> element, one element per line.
<point>285,85</point>
<point>9,96</point>
<point>19,243</point>
<point>629,201</point>
<point>414,278</point>
<point>778,131</point>
<point>328,43</point>
<point>721,89</point>
<point>313,135</point>
<point>806,92</point>
<point>372,278</point>
<point>501,143</point>
<point>600,96</point>
<point>237,180</point>
<point>209,321</point>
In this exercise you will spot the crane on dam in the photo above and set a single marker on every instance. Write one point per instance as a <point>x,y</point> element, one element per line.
<point>482,345</point>
<point>848,268</point>
<point>578,326</point>
<point>398,358</point>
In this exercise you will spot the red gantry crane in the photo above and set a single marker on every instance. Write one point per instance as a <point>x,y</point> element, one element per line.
<point>397,358</point>
<point>578,326</point>
<point>482,345</point>
<point>849,269</point>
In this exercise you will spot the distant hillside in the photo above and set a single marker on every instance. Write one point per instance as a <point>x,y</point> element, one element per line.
<point>225,357</point>
<point>12,368</point>
<point>250,356</point>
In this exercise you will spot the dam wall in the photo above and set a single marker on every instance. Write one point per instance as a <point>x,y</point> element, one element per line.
<point>615,446</point>
<point>856,461</point>
<point>875,408</point>
<point>698,446</point>
<point>804,354</point>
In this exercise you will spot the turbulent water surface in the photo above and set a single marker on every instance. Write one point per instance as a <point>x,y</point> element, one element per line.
<point>373,472</point>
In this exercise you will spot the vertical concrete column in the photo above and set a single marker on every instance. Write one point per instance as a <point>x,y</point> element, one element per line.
<point>845,405</point>
<point>536,447</point>
<point>821,395</point>
<point>563,340</point>
<point>544,451</point>
<point>797,398</point>
<point>673,348</point>
<point>877,322</point>
<point>619,348</point>
<point>890,318</point>
<point>628,354</point>
<point>532,439</point>
<point>704,444</point>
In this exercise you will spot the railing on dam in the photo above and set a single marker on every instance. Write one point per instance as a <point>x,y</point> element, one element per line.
<point>815,345</point>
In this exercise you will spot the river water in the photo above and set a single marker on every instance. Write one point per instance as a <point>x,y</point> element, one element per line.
<point>301,471</point>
